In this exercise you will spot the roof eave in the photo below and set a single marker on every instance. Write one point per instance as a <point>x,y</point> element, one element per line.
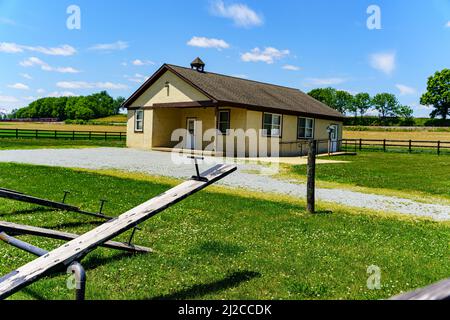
<point>336,117</point>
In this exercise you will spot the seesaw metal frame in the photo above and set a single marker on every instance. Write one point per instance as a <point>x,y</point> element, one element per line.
<point>19,196</point>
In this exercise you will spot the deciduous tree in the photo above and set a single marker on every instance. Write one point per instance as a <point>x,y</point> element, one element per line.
<point>438,94</point>
<point>362,103</point>
<point>386,104</point>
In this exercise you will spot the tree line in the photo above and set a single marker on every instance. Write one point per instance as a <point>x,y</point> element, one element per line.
<point>437,96</point>
<point>94,106</point>
<point>386,104</point>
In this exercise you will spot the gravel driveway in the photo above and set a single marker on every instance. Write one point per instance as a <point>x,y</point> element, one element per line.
<point>247,176</point>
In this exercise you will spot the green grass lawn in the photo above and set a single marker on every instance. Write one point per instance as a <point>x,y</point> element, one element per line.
<point>225,244</point>
<point>7,143</point>
<point>410,173</point>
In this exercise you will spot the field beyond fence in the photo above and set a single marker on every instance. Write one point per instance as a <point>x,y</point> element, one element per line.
<point>385,145</point>
<point>62,134</point>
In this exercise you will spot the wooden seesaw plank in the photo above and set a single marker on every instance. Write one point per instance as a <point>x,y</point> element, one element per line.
<point>78,248</point>
<point>436,291</point>
<point>18,229</point>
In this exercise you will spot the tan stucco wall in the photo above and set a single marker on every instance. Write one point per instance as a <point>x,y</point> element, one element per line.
<point>180,91</point>
<point>207,117</point>
<point>140,140</point>
<point>290,145</point>
<point>165,121</point>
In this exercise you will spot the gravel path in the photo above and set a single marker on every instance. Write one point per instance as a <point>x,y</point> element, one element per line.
<point>160,163</point>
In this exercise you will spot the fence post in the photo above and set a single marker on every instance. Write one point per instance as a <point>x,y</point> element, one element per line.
<point>17,133</point>
<point>410,146</point>
<point>439,148</point>
<point>56,135</point>
<point>90,135</point>
<point>36,134</point>
<point>384,145</point>
<point>360,144</point>
<point>311,185</point>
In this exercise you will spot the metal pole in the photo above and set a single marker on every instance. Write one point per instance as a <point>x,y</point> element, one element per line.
<point>311,173</point>
<point>75,268</point>
<point>22,245</point>
<point>80,280</point>
<point>102,204</point>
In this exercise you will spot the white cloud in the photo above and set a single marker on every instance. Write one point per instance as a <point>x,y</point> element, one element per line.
<point>325,81</point>
<point>40,91</point>
<point>137,78</point>
<point>7,47</point>
<point>90,85</point>
<point>240,13</point>
<point>419,107</point>
<point>140,63</point>
<point>57,94</point>
<point>33,61</point>
<point>405,90</point>
<point>26,76</point>
<point>7,21</point>
<point>447,25</point>
<point>269,55</point>
<point>242,76</point>
<point>119,45</point>
<point>203,42</point>
<point>64,50</point>
<point>63,70</point>
<point>19,86</point>
<point>291,67</point>
<point>384,62</point>
<point>8,99</point>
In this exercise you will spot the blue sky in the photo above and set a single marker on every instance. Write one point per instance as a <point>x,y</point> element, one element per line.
<point>302,44</point>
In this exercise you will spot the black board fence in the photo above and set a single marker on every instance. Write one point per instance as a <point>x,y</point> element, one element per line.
<point>386,145</point>
<point>60,134</point>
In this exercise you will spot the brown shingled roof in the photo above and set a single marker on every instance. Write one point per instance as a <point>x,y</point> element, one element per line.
<point>246,93</point>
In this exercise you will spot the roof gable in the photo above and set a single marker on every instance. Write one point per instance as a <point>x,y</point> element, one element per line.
<point>166,82</point>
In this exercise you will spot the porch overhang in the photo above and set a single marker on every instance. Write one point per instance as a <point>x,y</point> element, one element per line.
<point>177,105</point>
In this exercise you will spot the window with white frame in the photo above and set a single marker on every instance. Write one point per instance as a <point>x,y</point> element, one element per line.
<point>139,120</point>
<point>305,128</point>
<point>272,125</point>
<point>223,121</point>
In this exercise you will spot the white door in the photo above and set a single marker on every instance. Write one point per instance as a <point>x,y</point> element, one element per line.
<point>191,133</point>
<point>334,138</point>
